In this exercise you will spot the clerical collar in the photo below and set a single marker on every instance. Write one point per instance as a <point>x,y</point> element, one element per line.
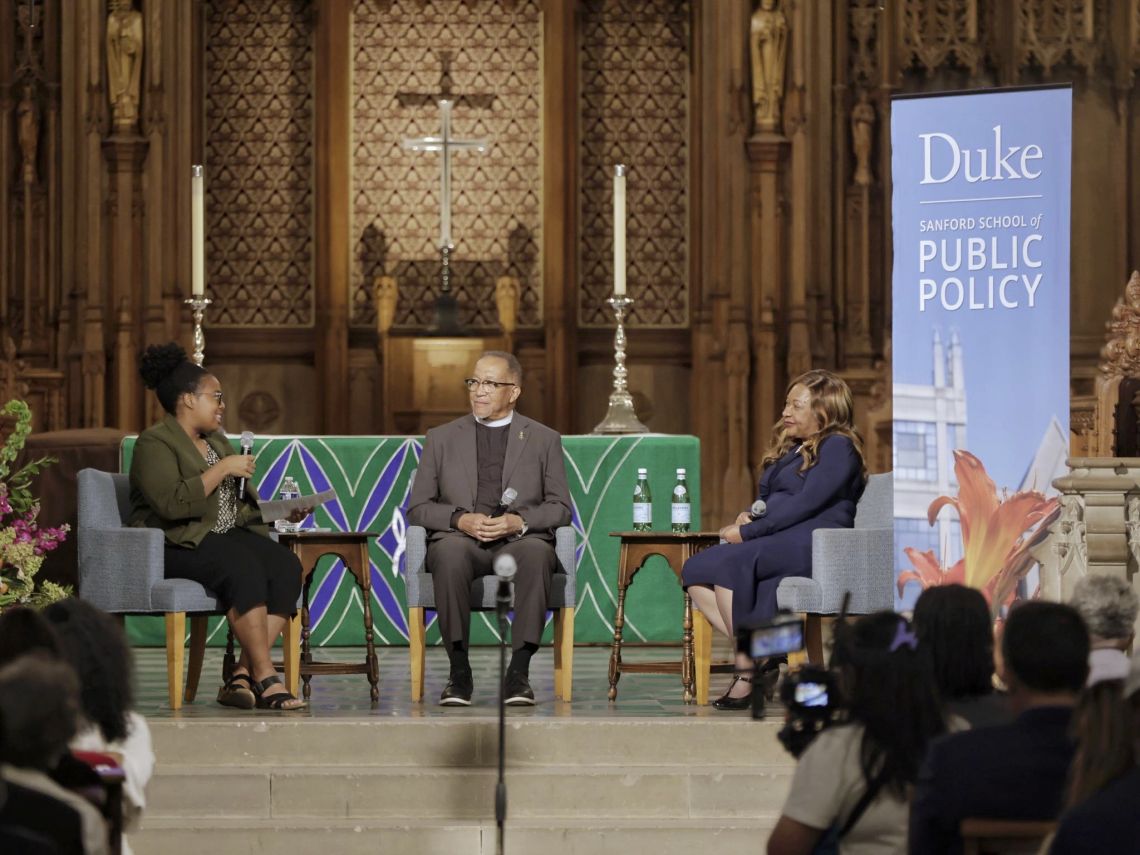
<point>503,422</point>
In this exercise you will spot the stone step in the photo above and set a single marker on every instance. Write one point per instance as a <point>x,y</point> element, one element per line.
<point>466,741</point>
<point>398,837</point>
<point>549,792</point>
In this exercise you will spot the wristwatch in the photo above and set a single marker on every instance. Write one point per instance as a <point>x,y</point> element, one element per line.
<point>522,531</point>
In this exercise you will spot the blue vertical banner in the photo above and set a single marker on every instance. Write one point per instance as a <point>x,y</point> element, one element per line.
<point>980,334</point>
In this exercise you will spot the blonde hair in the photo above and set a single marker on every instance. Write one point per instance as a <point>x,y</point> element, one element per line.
<point>834,409</point>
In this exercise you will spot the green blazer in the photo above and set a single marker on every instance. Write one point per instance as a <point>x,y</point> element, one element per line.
<point>167,490</point>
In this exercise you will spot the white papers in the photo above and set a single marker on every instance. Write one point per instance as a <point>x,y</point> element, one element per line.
<point>279,509</point>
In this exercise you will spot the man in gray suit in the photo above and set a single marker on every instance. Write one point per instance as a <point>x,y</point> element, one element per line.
<point>465,468</point>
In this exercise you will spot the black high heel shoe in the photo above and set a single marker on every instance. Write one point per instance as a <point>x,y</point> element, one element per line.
<point>726,702</point>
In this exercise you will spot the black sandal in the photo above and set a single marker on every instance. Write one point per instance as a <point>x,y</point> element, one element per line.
<point>726,702</point>
<point>234,694</point>
<point>277,701</point>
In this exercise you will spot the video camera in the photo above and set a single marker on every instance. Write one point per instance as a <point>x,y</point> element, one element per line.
<point>810,695</point>
<point>812,702</point>
<point>776,638</point>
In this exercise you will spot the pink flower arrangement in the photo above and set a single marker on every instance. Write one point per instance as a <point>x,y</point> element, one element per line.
<point>23,543</point>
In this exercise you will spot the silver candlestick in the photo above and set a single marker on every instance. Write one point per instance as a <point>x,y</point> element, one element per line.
<point>198,309</point>
<point>621,417</point>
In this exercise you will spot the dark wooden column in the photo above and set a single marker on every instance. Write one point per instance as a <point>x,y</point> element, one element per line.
<point>721,293</point>
<point>333,96</point>
<point>560,207</point>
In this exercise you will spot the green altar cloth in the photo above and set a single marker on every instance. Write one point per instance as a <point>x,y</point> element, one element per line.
<point>370,475</point>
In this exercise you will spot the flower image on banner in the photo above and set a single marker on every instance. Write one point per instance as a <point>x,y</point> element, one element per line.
<point>997,536</point>
<point>980,335</point>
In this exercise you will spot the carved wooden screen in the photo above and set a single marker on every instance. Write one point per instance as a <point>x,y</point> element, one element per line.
<point>259,245</point>
<point>487,49</point>
<point>634,103</point>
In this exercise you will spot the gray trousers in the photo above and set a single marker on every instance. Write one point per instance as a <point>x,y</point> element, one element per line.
<point>456,561</point>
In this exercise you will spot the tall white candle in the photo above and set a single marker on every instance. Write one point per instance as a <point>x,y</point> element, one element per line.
<point>619,230</point>
<point>197,232</point>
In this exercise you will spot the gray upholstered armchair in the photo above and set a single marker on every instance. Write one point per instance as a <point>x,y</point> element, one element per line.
<point>563,593</point>
<point>121,571</point>
<point>859,560</point>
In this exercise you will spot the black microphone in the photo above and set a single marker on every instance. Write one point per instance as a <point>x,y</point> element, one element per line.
<point>505,569</point>
<point>505,502</point>
<point>758,509</point>
<point>246,449</point>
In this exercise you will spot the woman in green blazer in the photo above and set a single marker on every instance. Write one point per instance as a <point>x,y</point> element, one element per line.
<point>184,480</point>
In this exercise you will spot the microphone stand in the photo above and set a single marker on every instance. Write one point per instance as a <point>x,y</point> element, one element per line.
<point>502,604</point>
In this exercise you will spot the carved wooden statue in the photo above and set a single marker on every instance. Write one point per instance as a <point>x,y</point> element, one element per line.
<point>28,131</point>
<point>769,45</point>
<point>124,62</point>
<point>862,135</point>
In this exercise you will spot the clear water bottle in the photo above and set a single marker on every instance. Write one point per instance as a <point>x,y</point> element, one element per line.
<point>289,490</point>
<point>681,510</point>
<point>642,503</point>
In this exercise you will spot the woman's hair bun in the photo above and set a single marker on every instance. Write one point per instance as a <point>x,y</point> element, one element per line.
<point>158,362</point>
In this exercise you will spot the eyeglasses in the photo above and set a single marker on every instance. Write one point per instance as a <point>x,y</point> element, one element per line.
<point>490,385</point>
<point>217,396</point>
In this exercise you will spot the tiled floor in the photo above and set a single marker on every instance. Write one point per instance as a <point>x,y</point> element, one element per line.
<point>639,695</point>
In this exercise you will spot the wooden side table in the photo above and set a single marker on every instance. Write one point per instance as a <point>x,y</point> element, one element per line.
<point>351,547</point>
<point>637,547</point>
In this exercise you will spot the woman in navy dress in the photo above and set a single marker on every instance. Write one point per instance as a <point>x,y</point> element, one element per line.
<point>812,477</point>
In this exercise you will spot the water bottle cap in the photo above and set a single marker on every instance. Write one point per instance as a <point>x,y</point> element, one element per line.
<point>642,472</point>
<point>680,473</point>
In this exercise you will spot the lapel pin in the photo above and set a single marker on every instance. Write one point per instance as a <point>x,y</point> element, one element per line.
<point>522,434</point>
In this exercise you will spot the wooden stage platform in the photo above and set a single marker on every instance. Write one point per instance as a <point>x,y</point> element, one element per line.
<point>645,774</point>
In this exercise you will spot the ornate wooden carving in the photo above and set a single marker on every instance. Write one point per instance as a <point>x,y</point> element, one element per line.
<point>1050,32</point>
<point>259,176</point>
<point>1120,359</point>
<point>1120,356</point>
<point>935,33</point>
<point>496,195</point>
<point>635,67</point>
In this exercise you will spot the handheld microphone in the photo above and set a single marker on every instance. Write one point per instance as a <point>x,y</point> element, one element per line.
<point>505,569</point>
<point>758,509</point>
<point>246,449</point>
<point>505,502</point>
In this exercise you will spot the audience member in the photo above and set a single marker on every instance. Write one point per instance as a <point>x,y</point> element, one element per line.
<point>1108,606</point>
<point>956,634</point>
<point>39,708</point>
<point>1104,787</point>
<point>96,647</point>
<point>852,782</point>
<point>1015,771</point>
<point>22,631</point>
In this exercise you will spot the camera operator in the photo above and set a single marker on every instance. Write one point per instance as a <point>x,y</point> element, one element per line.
<point>851,783</point>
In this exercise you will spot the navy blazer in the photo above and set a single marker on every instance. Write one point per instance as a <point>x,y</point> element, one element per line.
<point>826,493</point>
<point>1015,771</point>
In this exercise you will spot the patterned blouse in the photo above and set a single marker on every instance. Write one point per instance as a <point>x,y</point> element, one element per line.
<point>227,497</point>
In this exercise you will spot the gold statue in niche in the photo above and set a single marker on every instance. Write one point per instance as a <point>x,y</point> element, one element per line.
<point>769,46</point>
<point>124,62</point>
<point>386,294</point>
<point>862,134</point>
